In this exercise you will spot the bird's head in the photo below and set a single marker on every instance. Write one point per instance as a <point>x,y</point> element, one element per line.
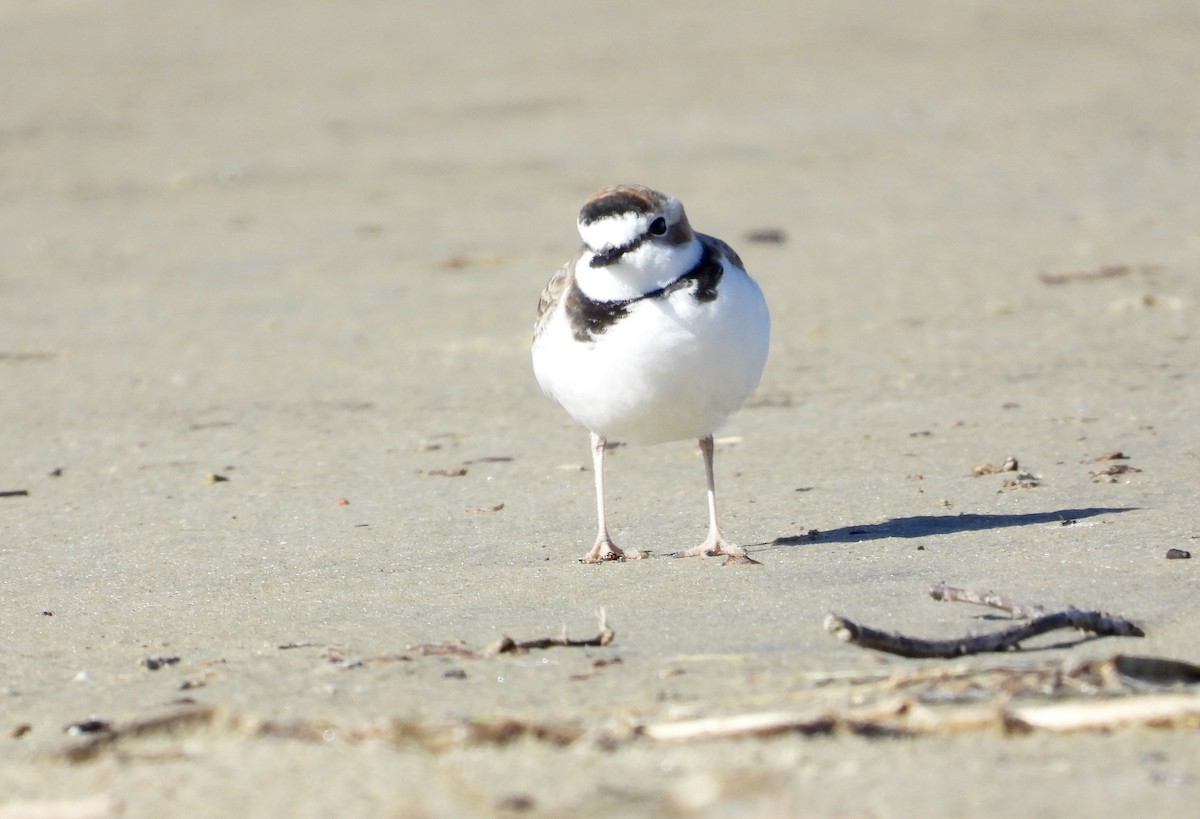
<point>632,224</point>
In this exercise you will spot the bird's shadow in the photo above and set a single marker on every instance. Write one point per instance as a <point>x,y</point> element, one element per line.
<point>931,525</point>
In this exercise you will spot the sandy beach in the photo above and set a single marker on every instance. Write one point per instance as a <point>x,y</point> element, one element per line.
<point>275,472</point>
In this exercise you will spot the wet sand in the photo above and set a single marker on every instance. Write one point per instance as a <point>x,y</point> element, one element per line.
<point>267,280</point>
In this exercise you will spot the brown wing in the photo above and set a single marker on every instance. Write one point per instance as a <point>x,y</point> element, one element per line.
<point>552,294</point>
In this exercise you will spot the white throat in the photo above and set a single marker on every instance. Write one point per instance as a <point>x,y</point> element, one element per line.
<point>647,268</point>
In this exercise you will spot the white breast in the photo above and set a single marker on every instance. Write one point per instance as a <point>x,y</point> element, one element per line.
<point>673,368</point>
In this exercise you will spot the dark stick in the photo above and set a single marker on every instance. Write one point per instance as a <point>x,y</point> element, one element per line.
<point>1095,622</point>
<point>990,599</point>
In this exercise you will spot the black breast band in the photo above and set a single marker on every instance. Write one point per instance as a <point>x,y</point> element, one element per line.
<point>590,317</point>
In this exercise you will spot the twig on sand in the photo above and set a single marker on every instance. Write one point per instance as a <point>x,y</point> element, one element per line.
<point>1039,622</point>
<point>507,645</point>
<point>950,594</point>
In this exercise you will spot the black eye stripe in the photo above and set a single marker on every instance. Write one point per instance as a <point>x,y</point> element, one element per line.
<point>603,258</point>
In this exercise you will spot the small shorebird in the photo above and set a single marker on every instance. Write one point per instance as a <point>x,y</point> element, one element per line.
<point>651,333</point>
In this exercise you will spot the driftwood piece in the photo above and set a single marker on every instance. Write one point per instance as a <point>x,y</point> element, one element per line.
<point>1094,622</point>
<point>1165,710</point>
<point>740,725</point>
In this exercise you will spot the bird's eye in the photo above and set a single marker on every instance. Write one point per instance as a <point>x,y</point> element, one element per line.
<point>659,226</point>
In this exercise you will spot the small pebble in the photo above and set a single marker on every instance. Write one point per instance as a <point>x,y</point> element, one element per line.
<point>155,663</point>
<point>88,726</point>
<point>516,803</point>
<point>766,236</point>
<point>1178,554</point>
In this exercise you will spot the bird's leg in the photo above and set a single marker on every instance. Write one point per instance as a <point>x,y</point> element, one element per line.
<point>604,549</point>
<point>714,544</point>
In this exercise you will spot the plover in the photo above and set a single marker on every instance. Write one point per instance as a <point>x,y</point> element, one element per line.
<point>651,333</point>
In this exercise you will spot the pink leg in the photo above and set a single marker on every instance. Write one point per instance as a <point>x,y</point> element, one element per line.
<point>714,544</point>
<point>604,549</point>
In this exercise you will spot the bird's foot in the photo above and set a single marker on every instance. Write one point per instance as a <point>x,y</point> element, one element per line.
<point>714,547</point>
<point>605,550</point>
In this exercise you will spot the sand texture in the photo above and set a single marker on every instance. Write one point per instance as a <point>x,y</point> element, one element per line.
<point>276,472</point>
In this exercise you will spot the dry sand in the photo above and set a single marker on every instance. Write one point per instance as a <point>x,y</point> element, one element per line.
<point>298,245</point>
